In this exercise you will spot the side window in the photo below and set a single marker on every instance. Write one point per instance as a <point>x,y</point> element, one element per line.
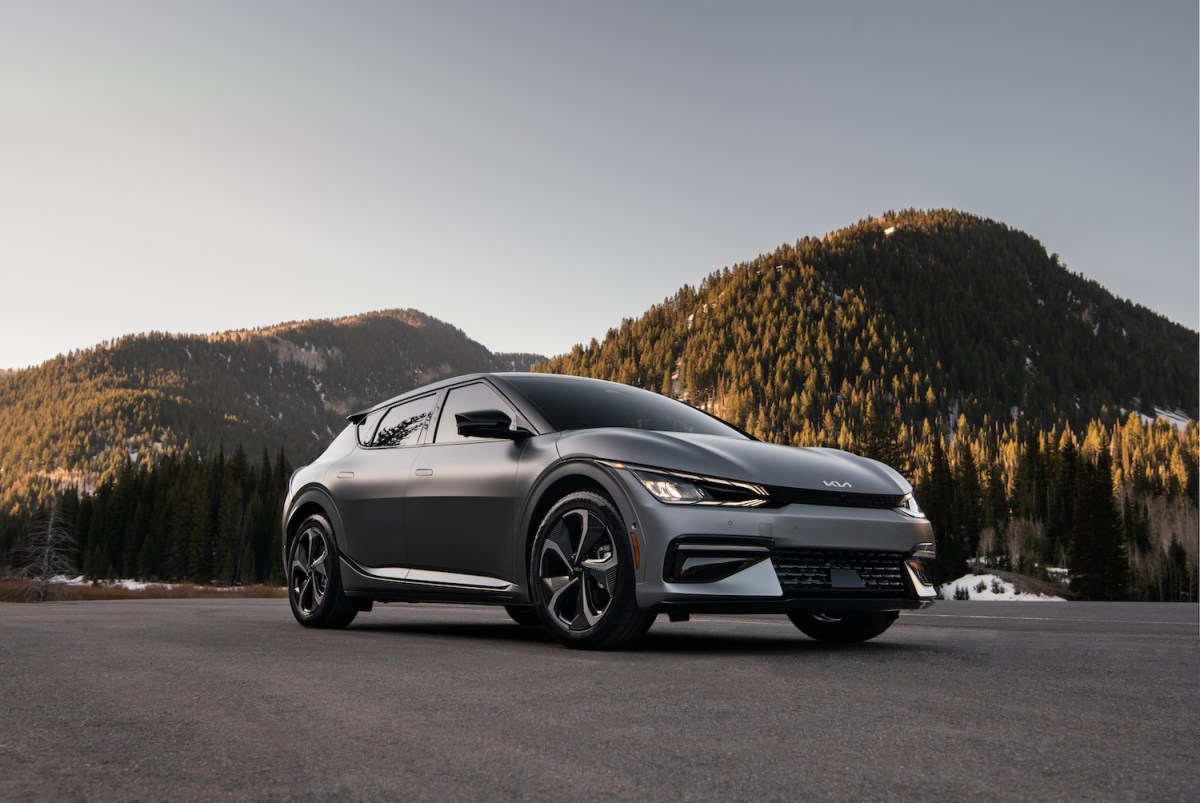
<point>460,400</point>
<point>366,429</point>
<point>403,424</point>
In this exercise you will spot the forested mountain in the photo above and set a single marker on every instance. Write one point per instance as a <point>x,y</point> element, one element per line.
<point>79,417</point>
<point>1018,396</point>
<point>939,312</point>
<point>1021,399</point>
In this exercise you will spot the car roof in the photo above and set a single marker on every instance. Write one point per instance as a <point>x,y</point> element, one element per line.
<point>358,416</point>
<point>496,377</point>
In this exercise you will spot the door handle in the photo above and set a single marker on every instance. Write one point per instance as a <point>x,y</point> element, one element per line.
<point>345,475</point>
<point>424,472</point>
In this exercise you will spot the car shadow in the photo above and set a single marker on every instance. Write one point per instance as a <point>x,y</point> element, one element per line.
<point>491,631</point>
<point>749,644</point>
<point>661,639</point>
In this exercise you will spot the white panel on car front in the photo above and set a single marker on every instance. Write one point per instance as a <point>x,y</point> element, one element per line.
<point>691,563</point>
<point>924,590</point>
<point>758,580</point>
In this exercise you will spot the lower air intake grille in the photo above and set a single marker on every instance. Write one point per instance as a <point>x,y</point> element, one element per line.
<point>830,570</point>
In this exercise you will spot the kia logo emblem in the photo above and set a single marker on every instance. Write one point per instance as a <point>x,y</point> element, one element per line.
<point>836,484</point>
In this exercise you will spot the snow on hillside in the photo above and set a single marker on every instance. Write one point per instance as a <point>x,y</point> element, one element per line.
<point>1177,418</point>
<point>990,587</point>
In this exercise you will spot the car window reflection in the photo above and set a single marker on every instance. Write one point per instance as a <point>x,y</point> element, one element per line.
<point>403,424</point>
<point>403,432</point>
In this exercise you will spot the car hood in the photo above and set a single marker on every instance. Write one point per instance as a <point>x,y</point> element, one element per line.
<point>736,459</point>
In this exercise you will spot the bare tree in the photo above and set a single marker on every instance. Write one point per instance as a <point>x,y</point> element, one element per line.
<point>47,554</point>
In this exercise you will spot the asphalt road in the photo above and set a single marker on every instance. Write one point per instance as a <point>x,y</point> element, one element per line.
<point>188,699</point>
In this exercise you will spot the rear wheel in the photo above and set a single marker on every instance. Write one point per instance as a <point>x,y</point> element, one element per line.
<point>843,627</point>
<point>314,583</point>
<point>581,575</point>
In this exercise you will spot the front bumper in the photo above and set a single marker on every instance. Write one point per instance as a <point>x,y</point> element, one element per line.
<point>796,558</point>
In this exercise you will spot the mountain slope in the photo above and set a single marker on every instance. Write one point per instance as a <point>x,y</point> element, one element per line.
<point>77,417</point>
<point>930,314</point>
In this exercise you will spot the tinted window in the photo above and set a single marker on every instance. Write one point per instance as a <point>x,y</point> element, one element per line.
<point>462,400</point>
<point>403,424</point>
<point>366,429</point>
<point>572,403</point>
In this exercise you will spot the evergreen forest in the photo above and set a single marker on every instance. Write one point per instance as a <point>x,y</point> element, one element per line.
<point>186,519</point>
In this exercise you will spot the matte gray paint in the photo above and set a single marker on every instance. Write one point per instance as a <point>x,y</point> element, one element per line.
<point>735,459</point>
<point>459,511</point>
<point>472,507</point>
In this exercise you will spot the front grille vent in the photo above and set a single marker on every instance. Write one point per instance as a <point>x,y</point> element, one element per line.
<point>781,495</point>
<point>801,569</point>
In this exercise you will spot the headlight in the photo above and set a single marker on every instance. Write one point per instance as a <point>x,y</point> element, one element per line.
<point>669,489</point>
<point>909,506</point>
<point>689,489</point>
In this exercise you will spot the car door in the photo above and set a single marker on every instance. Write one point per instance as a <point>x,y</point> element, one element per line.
<point>460,505</point>
<point>370,484</point>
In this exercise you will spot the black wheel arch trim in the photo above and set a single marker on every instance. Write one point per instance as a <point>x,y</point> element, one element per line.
<point>310,495</point>
<point>537,503</point>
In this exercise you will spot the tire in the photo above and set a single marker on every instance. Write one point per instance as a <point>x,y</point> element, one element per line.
<point>581,575</point>
<point>524,615</point>
<point>314,582</point>
<point>843,627</point>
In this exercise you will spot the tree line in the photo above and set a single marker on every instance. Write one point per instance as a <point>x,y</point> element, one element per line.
<point>1114,507</point>
<point>187,518</point>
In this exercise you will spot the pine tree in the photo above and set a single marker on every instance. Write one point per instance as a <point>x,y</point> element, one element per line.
<point>968,494</point>
<point>1099,565</point>
<point>937,499</point>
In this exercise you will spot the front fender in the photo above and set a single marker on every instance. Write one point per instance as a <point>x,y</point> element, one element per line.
<point>555,482</point>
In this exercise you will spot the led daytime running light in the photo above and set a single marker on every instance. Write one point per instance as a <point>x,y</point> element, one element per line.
<point>674,488</point>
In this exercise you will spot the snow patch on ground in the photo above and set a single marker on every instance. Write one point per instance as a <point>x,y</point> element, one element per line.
<point>131,585</point>
<point>993,588</point>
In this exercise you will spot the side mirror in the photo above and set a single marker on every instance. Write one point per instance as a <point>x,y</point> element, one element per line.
<point>488,424</point>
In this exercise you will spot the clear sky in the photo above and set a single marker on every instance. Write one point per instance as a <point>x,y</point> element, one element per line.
<point>535,172</point>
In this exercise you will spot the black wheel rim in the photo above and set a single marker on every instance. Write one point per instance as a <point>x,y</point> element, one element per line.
<point>577,567</point>
<point>309,570</point>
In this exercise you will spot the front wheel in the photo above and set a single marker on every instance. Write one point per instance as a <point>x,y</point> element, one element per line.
<point>843,627</point>
<point>314,583</point>
<point>581,575</point>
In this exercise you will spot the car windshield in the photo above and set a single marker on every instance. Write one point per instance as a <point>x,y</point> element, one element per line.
<point>576,403</point>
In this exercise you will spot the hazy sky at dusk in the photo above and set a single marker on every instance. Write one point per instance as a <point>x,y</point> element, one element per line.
<point>534,172</point>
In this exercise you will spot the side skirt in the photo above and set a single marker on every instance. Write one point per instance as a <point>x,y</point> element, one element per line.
<point>402,584</point>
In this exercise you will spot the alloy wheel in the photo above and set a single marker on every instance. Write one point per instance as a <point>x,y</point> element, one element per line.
<point>309,570</point>
<point>578,567</point>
